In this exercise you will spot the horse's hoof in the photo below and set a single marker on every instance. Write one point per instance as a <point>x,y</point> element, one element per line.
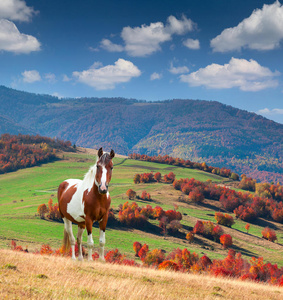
<point>102,259</point>
<point>73,258</point>
<point>80,258</point>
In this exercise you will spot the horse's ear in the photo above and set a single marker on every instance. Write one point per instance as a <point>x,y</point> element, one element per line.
<point>112,153</point>
<point>100,152</point>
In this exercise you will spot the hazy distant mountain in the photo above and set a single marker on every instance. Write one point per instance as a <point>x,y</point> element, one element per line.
<point>198,130</point>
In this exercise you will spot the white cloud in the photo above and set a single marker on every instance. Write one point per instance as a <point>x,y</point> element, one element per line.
<point>146,39</point>
<point>50,77</point>
<point>16,10</point>
<point>66,78</point>
<point>111,47</point>
<point>103,78</point>
<point>178,70</point>
<point>155,76</point>
<point>13,41</point>
<point>180,27</point>
<point>192,44</point>
<point>267,111</point>
<point>262,30</point>
<point>31,76</point>
<point>238,73</point>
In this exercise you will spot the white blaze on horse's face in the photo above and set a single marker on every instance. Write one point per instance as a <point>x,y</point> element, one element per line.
<point>103,187</point>
<point>104,168</point>
<point>103,176</point>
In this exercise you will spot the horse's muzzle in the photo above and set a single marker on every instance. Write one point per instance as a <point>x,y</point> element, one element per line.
<point>103,191</point>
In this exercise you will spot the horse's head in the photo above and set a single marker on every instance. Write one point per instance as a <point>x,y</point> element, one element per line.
<point>104,166</point>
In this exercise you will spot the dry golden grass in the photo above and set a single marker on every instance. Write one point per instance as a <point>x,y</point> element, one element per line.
<point>29,276</point>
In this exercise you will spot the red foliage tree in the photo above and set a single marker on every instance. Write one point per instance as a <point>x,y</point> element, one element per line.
<point>131,194</point>
<point>143,251</point>
<point>226,240</point>
<point>269,234</point>
<point>42,210</point>
<point>169,178</point>
<point>190,236</point>
<point>225,220</point>
<point>157,176</point>
<point>137,247</point>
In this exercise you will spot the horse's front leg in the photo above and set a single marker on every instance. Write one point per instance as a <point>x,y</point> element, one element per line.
<point>90,243</point>
<point>102,227</point>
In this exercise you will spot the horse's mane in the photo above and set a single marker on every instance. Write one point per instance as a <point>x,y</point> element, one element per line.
<point>90,175</point>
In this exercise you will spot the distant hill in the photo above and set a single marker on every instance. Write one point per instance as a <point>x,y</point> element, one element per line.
<point>198,130</point>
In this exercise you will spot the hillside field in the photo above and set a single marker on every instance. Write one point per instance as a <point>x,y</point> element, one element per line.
<point>28,276</point>
<point>22,191</point>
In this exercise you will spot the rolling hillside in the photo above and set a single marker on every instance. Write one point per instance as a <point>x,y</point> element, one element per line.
<point>28,276</point>
<point>23,191</point>
<point>192,129</point>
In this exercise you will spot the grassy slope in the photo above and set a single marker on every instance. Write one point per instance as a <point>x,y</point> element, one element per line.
<point>36,185</point>
<point>28,276</point>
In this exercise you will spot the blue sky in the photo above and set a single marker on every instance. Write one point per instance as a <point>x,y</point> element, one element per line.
<point>228,51</point>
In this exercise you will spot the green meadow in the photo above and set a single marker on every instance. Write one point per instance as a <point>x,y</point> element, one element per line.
<point>21,192</point>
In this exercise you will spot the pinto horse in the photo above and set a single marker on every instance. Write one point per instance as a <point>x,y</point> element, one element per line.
<point>85,201</point>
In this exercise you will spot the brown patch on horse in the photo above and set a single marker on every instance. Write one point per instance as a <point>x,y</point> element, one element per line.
<point>96,203</point>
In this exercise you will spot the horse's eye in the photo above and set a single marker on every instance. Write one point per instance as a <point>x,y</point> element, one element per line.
<point>98,167</point>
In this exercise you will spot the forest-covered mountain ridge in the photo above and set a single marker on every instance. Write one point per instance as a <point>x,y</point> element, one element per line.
<point>198,130</point>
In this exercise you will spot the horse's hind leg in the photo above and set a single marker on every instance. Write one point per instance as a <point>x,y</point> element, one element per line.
<point>69,229</point>
<point>79,241</point>
<point>102,227</point>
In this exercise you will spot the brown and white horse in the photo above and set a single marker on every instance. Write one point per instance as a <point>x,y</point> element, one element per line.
<point>85,201</point>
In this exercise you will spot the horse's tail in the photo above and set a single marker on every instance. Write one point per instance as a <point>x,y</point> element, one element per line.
<point>66,242</point>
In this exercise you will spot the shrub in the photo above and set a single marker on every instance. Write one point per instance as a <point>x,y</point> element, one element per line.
<point>114,256</point>
<point>169,178</point>
<point>158,212</point>
<point>143,251</point>
<point>42,210</point>
<point>277,215</point>
<point>147,211</point>
<point>230,201</point>
<point>174,226</point>
<point>207,229</point>
<point>247,183</point>
<point>131,194</point>
<point>190,236</point>
<point>269,234</point>
<point>196,195</point>
<point>154,258</point>
<point>137,178</point>
<point>51,212</point>
<point>137,247</point>
<point>198,228</point>
<point>157,176</point>
<point>245,213</point>
<point>225,220</point>
<point>168,265</point>
<point>226,240</point>
<point>46,249</point>
<point>130,215</point>
<point>173,215</point>
<point>247,227</point>
<point>145,196</point>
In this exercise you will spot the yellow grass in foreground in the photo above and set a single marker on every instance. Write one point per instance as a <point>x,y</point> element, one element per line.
<point>29,276</point>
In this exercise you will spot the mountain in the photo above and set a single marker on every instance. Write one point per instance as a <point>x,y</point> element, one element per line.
<point>198,130</point>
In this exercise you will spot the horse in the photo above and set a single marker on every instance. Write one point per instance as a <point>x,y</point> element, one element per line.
<point>85,201</point>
